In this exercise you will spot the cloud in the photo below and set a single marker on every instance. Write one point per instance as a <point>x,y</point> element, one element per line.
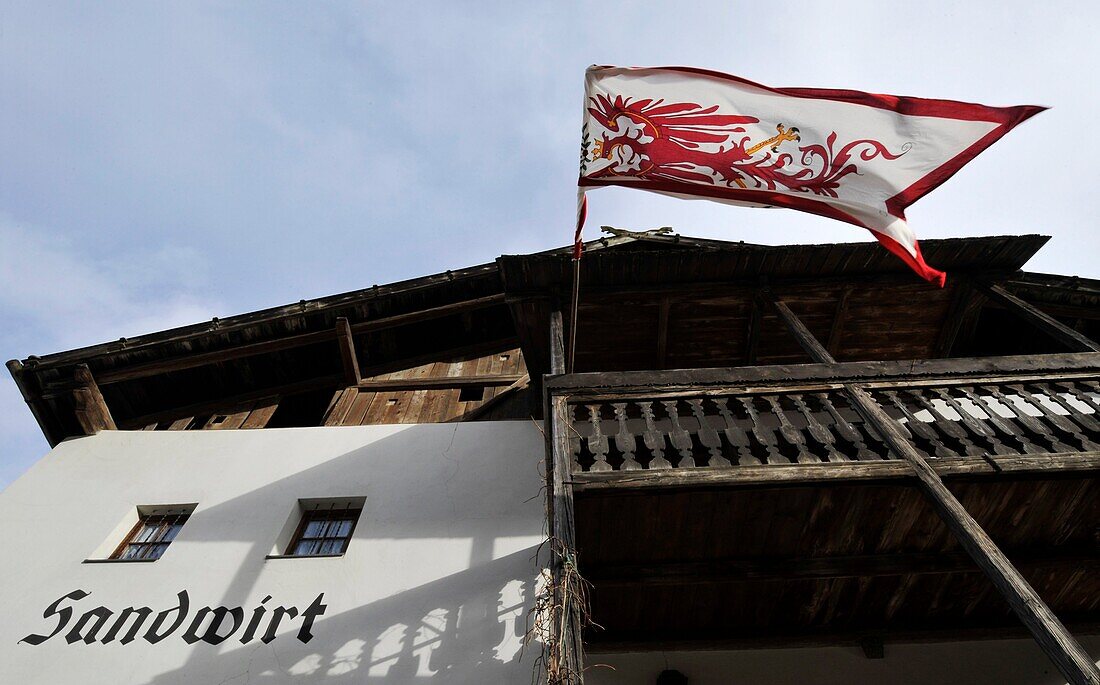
<point>64,299</point>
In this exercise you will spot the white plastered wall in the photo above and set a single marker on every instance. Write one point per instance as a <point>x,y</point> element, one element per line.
<point>435,586</point>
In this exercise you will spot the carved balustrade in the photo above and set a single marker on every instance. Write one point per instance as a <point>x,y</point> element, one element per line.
<point>973,410</point>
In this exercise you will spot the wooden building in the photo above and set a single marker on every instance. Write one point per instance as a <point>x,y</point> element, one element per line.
<point>746,446</point>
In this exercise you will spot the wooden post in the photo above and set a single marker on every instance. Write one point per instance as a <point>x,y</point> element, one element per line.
<point>567,630</point>
<point>90,407</point>
<point>837,330</point>
<point>347,351</point>
<point>755,321</point>
<point>1058,644</point>
<point>1041,320</point>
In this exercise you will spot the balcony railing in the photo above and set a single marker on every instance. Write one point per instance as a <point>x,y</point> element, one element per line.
<point>980,409</point>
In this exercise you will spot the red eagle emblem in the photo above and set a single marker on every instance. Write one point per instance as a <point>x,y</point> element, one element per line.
<point>686,142</point>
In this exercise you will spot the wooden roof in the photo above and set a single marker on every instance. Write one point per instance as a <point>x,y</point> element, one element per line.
<point>647,301</point>
<point>671,302</point>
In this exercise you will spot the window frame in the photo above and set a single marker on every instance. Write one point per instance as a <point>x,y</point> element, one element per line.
<point>307,516</point>
<point>167,519</point>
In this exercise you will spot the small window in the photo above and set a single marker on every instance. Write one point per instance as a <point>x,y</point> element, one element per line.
<point>471,393</point>
<point>324,530</point>
<point>154,531</point>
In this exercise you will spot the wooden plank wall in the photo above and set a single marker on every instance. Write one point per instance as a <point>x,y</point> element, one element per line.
<point>358,406</point>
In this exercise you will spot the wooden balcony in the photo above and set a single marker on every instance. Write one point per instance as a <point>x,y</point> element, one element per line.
<point>798,424</point>
<point>765,506</point>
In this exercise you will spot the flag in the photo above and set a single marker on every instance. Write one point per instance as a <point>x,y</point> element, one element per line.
<point>842,154</point>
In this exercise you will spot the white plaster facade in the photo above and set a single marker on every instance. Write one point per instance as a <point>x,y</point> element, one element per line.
<point>435,585</point>
<point>434,588</point>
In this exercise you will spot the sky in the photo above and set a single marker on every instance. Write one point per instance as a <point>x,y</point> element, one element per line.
<point>165,163</point>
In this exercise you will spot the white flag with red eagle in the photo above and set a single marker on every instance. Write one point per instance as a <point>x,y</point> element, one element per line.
<point>843,154</point>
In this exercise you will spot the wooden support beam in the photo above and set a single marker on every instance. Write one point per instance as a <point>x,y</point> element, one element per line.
<point>662,333</point>
<point>438,382</point>
<point>807,340</point>
<point>837,330</point>
<point>778,475</point>
<point>567,629</point>
<point>825,568</point>
<point>1058,644</point>
<point>488,405</point>
<point>90,407</point>
<point>347,351</point>
<point>752,343</point>
<point>1075,340</point>
<point>964,307</point>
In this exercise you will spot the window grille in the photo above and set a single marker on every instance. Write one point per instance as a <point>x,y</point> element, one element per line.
<point>149,539</point>
<point>324,531</point>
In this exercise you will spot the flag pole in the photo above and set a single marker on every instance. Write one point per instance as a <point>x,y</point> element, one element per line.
<point>578,250</point>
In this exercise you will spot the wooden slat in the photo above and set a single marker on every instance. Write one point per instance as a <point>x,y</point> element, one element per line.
<point>261,413</point>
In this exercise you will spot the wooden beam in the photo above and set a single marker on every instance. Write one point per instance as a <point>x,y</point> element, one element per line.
<point>1058,644</point>
<point>752,343</point>
<point>439,382</point>
<point>90,407</point>
<point>347,351</point>
<point>662,333</point>
<point>825,568</point>
<point>383,323</point>
<point>522,382</point>
<point>1075,340</point>
<point>964,305</point>
<point>780,475</point>
<point>806,340</point>
<point>694,380</point>
<point>837,329</point>
<point>1060,647</point>
<point>240,351</point>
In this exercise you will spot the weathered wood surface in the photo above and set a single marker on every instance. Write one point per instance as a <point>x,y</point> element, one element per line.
<point>433,392</point>
<point>1056,642</point>
<point>348,355</point>
<point>1069,337</point>
<point>680,573</point>
<point>567,626</point>
<point>90,407</point>
<point>624,383</point>
<point>136,371</point>
<point>948,467</point>
<point>866,557</point>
